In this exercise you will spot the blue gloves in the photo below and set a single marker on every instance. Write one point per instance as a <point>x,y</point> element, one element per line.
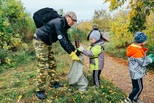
<point>151,56</point>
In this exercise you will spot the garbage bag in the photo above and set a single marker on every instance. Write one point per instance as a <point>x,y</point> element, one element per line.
<point>76,76</point>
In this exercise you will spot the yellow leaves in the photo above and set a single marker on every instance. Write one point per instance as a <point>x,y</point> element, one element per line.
<point>132,13</point>
<point>1,84</point>
<point>1,34</point>
<point>112,92</point>
<point>7,60</point>
<point>19,98</point>
<point>13,10</point>
<point>49,101</point>
<point>113,4</point>
<point>81,92</point>
<point>5,47</point>
<point>16,42</point>
<point>131,1</point>
<point>140,3</point>
<point>121,36</point>
<point>0,12</point>
<point>5,23</point>
<point>22,15</point>
<point>85,26</point>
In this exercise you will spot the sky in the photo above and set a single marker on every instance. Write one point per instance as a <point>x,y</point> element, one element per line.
<point>84,9</point>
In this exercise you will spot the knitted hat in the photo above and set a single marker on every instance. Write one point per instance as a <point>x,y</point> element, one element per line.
<point>95,34</point>
<point>140,37</point>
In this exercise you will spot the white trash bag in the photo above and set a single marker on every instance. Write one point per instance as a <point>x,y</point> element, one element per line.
<point>76,76</point>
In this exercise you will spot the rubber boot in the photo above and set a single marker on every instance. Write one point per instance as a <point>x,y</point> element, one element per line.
<point>41,95</point>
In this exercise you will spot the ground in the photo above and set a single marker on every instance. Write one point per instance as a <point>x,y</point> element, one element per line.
<point>116,70</point>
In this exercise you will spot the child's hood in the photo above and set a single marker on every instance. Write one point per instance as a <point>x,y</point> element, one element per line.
<point>99,42</point>
<point>135,51</point>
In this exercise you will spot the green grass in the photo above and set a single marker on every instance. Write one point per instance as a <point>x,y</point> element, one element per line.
<point>18,84</point>
<point>16,58</point>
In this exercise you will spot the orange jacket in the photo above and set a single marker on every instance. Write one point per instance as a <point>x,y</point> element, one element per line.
<point>136,51</point>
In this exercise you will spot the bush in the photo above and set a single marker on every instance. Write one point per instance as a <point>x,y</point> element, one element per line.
<point>10,59</point>
<point>77,34</point>
<point>14,26</point>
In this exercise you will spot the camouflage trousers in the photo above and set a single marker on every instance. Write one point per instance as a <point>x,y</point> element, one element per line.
<point>46,65</point>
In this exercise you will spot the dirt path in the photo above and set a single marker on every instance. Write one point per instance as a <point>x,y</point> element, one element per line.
<point>116,70</point>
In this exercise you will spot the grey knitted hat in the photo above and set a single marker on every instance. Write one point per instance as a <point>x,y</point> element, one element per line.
<point>95,34</point>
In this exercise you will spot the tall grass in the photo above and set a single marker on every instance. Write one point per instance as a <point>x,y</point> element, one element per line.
<point>10,59</point>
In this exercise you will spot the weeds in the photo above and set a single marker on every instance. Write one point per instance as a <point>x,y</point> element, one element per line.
<point>18,85</point>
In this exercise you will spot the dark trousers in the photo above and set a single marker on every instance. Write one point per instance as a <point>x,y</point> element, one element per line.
<point>137,89</point>
<point>96,77</point>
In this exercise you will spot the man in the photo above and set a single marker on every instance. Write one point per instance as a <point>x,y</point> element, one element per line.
<point>55,29</point>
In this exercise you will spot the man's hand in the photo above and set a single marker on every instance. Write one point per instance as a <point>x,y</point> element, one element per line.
<point>77,52</point>
<point>74,56</point>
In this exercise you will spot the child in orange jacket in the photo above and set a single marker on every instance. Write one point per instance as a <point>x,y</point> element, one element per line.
<point>138,61</point>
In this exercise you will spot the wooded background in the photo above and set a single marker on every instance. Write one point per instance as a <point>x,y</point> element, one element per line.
<point>17,28</point>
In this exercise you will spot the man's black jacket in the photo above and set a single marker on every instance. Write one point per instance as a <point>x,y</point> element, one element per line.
<point>56,29</point>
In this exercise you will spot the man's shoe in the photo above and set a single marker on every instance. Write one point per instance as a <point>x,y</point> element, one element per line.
<point>41,95</point>
<point>56,85</point>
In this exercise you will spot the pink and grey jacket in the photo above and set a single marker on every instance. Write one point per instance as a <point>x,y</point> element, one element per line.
<point>95,52</point>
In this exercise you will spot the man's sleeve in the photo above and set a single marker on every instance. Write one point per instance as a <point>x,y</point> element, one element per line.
<point>63,39</point>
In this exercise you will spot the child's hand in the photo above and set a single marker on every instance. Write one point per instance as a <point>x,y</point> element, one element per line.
<point>80,49</point>
<point>151,55</point>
